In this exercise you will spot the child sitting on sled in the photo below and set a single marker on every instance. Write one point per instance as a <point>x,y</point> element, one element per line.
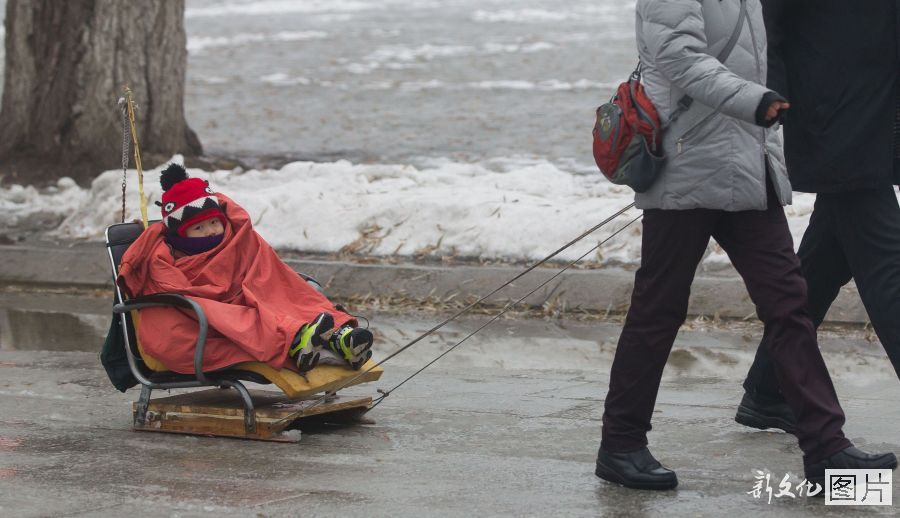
<point>257,307</point>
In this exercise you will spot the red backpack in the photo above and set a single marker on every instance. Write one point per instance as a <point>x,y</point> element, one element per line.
<point>628,137</point>
<point>628,133</point>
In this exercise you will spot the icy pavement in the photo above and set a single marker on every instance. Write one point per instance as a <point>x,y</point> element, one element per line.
<point>506,425</point>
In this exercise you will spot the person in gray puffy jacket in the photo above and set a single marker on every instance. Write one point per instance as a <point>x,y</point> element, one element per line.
<point>724,177</point>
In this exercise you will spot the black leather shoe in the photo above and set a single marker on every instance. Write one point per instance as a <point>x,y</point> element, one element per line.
<point>636,469</point>
<point>850,458</point>
<point>764,416</point>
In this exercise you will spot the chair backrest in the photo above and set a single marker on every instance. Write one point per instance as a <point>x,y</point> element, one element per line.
<point>118,238</point>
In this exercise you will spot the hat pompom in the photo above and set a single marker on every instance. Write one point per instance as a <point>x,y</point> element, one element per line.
<point>172,175</point>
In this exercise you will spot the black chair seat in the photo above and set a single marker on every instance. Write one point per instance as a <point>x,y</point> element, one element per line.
<point>225,374</point>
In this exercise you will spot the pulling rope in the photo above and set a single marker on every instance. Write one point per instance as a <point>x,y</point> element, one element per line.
<point>466,309</point>
<point>482,299</point>
<point>386,393</point>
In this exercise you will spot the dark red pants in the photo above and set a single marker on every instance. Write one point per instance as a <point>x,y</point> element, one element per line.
<point>761,249</point>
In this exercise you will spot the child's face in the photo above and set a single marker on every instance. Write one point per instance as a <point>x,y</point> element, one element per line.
<point>206,228</point>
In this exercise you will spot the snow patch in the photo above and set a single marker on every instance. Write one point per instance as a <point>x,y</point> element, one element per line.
<point>18,204</point>
<point>505,84</point>
<point>277,7</point>
<point>512,208</point>
<point>584,13</point>
<point>270,7</point>
<point>282,79</point>
<point>519,16</point>
<point>399,57</point>
<point>548,85</point>
<point>197,44</point>
<point>210,80</point>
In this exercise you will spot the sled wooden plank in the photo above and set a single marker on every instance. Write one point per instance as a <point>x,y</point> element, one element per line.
<point>221,413</point>
<point>323,378</point>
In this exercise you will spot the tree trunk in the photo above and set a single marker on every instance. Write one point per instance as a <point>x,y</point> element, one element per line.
<point>66,65</point>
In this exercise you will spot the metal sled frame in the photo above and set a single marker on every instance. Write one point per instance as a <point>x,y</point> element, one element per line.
<point>212,412</point>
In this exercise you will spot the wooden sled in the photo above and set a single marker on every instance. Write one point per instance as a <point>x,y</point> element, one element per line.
<point>217,412</point>
<point>260,415</point>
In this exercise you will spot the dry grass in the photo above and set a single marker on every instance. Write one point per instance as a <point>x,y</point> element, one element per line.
<point>369,238</point>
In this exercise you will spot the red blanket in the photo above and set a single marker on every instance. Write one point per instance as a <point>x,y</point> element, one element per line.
<point>254,303</point>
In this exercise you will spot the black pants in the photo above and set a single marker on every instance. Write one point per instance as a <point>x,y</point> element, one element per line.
<point>761,249</point>
<point>851,235</point>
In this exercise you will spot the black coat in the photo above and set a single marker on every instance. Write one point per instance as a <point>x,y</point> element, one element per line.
<point>837,62</point>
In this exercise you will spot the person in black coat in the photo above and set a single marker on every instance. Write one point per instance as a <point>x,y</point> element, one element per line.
<point>838,63</point>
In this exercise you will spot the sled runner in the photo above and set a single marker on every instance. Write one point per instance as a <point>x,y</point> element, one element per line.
<point>262,415</point>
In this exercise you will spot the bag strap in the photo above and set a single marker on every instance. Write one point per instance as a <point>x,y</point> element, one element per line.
<point>726,50</point>
<point>685,102</point>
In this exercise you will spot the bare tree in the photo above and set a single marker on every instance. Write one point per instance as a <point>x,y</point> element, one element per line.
<point>66,64</point>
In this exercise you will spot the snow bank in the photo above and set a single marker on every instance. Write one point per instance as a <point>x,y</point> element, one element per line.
<point>502,209</point>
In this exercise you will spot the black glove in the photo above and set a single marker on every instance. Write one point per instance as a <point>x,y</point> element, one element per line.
<point>767,99</point>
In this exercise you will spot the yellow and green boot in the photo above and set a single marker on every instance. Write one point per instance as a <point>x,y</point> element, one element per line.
<point>309,340</point>
<point>352,344</point>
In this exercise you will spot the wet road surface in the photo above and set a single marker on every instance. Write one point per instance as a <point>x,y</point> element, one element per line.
<point>506,425</point>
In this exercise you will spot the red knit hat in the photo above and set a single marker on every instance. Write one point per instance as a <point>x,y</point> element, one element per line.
<point>186,201</point>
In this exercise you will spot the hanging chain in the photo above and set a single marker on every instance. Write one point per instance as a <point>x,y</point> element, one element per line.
<point>126,149</point>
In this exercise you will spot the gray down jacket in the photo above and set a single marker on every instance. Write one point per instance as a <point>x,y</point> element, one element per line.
<point>715,152</point>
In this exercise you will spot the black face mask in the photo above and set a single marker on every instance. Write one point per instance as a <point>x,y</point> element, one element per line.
<point>194,245</point>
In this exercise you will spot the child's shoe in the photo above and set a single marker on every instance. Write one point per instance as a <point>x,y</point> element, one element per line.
<point>352,344</point>
<point>310,338</point>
